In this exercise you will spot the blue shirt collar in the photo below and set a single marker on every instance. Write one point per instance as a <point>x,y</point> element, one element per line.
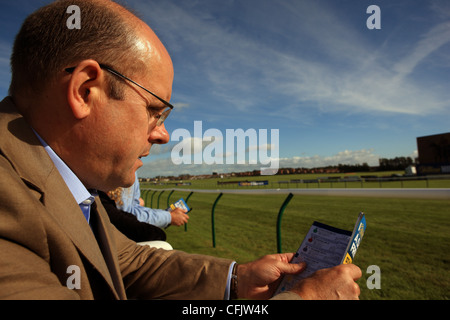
<point>80,193</point>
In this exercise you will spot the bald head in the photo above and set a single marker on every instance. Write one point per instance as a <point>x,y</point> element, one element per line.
<point>97,122</point>
<point>109,34</point>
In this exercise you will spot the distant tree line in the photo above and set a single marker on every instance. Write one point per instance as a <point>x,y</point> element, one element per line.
<point>385,164</point>
<point>397,163</point>
<point>354,167</point>
<point>394,164</point>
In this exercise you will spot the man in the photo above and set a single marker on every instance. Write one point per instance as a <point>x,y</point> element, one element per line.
<point>73,125</point>
<point>141,232</point>
<point>129,200</point>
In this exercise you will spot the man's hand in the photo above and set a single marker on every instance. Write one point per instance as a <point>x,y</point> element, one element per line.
<point>331,284</point>
<point>259,279</point>
<point>179,217</point>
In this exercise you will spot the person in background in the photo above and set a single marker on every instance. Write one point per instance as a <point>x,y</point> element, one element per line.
<point>125,222</point>
<point>129,200</point>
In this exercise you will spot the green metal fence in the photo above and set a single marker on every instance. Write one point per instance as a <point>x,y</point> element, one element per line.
<point>146,192</point>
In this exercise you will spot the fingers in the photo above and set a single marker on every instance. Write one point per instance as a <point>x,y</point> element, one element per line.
<point>259,279</point>
<point>332,283</point>
<point>292,268</point>
<point>355,272</point>
<point>179,217</point>
<point>349,289</point>
<point>287,267</point>
<point>179,211</point>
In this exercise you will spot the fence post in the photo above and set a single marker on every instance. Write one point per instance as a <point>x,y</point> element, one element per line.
<point>190,194</point>
<point>212,220</point>
<point>144,194</point>
<point>151,201</point>
<point>187,198</point>
<point>168,198</point>
<point>158,198</point>
<point>280,214</point>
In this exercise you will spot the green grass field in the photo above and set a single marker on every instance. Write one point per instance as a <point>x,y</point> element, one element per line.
<point>409,239</point>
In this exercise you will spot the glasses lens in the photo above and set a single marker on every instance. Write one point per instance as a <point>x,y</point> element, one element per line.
<point>163,116</point>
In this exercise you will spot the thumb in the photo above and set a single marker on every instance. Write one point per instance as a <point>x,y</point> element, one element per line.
<point>292,268</point>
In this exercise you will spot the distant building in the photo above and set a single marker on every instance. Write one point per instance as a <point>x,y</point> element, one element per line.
<point>434,154</point>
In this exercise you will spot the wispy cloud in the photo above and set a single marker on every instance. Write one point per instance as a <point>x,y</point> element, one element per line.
<point>350,74</point>
<point>344,157</point>
<point>428,43</point>
<point>306,64</point>
<point>373,80</point>
<point>181,105</point>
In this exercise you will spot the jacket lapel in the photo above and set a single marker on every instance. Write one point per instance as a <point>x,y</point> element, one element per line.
<point>106,241</point>
<point>67,213</point>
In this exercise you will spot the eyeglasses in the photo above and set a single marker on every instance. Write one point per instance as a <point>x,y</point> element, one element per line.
<point>160,117</point>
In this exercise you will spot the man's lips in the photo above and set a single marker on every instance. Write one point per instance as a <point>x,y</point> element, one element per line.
<point>144,155</point>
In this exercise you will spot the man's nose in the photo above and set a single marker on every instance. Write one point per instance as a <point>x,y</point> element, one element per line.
<point>159,135</point>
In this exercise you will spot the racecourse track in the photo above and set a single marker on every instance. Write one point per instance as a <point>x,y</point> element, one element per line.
<point>431,193</point>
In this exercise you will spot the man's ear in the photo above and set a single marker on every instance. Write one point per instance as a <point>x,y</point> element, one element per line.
<point>85,88</point>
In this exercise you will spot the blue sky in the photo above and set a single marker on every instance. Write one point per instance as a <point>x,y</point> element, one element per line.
<point>337,91</point>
